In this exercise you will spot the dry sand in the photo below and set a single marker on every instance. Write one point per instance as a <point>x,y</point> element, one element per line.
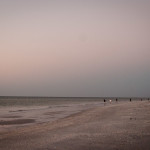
<point>116,126</point>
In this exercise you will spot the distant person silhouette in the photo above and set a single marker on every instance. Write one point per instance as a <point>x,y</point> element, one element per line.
<point>104,100</point>
<point>116,100</point>
<point>130,99</point>
<point>141,99</point>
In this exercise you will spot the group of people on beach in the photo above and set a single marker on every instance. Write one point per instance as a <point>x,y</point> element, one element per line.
<point>110,100</point>
<point>117,100</point>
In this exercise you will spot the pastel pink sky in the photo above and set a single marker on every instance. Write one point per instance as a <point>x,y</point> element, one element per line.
<point>74,48</point>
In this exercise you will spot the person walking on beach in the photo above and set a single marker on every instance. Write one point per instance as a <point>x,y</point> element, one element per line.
<point>104,102</point>
<point>130,99</point>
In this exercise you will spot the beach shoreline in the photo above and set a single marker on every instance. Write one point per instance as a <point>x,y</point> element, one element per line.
<point>115,126</point>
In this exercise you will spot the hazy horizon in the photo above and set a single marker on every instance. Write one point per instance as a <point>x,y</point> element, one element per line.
<point>68,48</point>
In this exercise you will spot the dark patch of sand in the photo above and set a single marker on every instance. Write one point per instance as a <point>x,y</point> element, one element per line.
<point>17,121</point>
<point>11,116</point>
<point>17,110</point>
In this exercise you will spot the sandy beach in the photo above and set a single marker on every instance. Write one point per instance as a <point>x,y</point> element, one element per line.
<point>116,126</point>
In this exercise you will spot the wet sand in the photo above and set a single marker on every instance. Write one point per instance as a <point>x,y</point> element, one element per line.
<point>116,126</point>
<point>14,117</point>
<point>17,121</point>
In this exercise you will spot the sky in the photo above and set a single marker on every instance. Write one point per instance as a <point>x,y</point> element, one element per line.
<point>78,48</point>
